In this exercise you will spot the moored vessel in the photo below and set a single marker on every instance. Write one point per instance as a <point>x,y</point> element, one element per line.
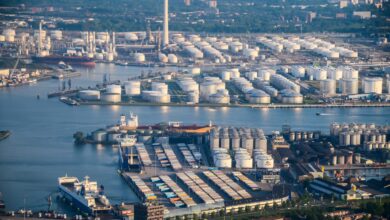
<point>85,195</point>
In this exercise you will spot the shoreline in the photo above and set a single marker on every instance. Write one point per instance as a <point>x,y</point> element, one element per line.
<point>267,106</point>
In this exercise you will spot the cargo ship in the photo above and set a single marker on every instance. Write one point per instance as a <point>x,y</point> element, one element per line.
<point>73,60</point>
<point>86,196</point>
<point>172,126</point>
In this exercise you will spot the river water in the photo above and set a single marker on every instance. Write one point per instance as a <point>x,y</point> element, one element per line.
<point>41,147</point>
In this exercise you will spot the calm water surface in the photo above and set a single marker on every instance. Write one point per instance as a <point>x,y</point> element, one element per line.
<point>41,146</point>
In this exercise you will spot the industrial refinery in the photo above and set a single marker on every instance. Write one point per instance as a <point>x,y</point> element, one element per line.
<point>194,109</point>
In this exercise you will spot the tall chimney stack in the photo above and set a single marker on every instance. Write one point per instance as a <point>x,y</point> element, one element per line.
<point>166,25</point>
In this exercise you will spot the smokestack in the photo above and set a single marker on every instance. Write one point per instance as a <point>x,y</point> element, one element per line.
<point>166,25</point>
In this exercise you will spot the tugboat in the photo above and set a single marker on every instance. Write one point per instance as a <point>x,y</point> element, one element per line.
<point>85,195</point>
<point>68,100</point>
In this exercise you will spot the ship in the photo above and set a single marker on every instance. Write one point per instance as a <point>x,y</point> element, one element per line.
<point>172,126</point>
<point>68,100</point>
<point>69,59</point>
<point>86,196</point>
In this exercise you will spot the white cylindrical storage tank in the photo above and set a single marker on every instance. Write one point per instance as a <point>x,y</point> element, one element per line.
<point>111,97</point>
<point>89,95</point>
<point>264,161</point>
<point>328,87</point>
<point>244,162</point>
<point>372,85</point>
<point>219,98</point>
<point>225,75</point>
<point>162,58</point>
<point>298,71</point>
<point>259,97</point>
<point>116,89</point>
<point>161,87</point>
<point>131,36</point>
<point>139,57</point>
<point>172,58</point>
<point>223,160</point>
<point>251,75</point>
<point>132,87</point>
<point>195,71</point>
<point>349,86</point>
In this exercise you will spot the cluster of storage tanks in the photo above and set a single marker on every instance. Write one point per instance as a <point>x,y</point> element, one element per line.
<point>190,87</point>
<point>303,135</point>
<point>170,58</point>
<point>370,136</point>
<point>158,93</point>
<point>113,93</point>
<point>40,39</point>
<point>346,77</point>
<point>213,90</point>
<point>345,158</point>
<point>247,146</point>
<point>214,48</point>
<point>294,43</point>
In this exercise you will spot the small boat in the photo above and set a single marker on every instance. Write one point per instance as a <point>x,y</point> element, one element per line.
<point>4,134</point>
<point>318,114</point>
<point>68,100</point>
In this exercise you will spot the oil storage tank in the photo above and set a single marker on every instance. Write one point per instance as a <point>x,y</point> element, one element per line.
<point>349,86</point>
<point>132,88</point>
<point>328,87</point>
<point>89,95</point>
<point>372,85</point>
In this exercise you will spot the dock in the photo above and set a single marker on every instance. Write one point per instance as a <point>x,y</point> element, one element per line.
<point>259,106</point>
<point>62,93</point>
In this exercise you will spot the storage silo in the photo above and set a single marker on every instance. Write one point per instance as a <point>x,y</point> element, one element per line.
<point>357,158</point>
<point>349,86</point>
<point>110,97</point>
<point>243,161</point>
<point>328,87</point>
<point>132,88</point>
<point>259,97</point>
<point>172,58</point>
<point>219,98</point>
<point>264,160</point>
<point>334,159</point>
<point>224,141</point>
<point>89,95</point>
<point>225,75</point>
<point>160,87</point>
<point>372,85</point>
<point>139,57</point>
<point>292,136</point>
<point>222,160</point>
<point>114,89</point>
<point>341,159</point>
